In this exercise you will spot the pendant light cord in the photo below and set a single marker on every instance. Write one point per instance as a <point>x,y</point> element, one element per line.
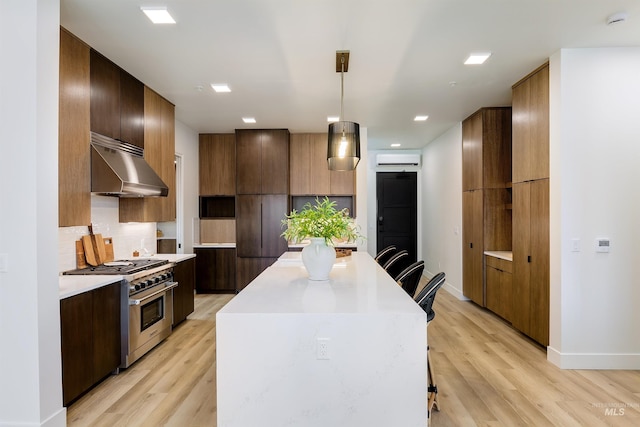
<point>342,93</point>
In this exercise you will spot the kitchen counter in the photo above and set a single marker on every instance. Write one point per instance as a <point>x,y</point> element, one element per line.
<point>342,245</point>
<point>347,351</point>
<point>74,285</point>
<point>214,245</point>
<point>506,255</point>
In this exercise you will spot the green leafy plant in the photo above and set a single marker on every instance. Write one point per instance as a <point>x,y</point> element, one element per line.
<point>321,220</point>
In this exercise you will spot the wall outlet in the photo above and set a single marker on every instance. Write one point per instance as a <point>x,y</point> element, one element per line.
<point>575,245</point>
<point>322,349</point>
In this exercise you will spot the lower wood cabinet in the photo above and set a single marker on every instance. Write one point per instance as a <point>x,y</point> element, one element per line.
<point>498,286</point>
<point>90,338</point>
<point>215,270</point>
<point>249,268</point>
<point>184,273</point>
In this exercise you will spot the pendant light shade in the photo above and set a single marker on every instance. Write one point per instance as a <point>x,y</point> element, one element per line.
<point>343,149</point>
<point>343,153</point>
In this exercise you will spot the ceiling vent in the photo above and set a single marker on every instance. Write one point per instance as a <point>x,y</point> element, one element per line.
<point>398,160</point>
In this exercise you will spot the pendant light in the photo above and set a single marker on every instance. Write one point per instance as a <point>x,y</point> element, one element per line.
<point>343,151</point>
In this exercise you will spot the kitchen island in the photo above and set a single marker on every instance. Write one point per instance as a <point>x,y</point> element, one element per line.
<point>347,352</point>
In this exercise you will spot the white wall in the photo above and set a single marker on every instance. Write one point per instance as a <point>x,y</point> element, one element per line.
<point>595,158</point>
<point>30,378</point>
<point>187,147</point>
<point>442,208</point>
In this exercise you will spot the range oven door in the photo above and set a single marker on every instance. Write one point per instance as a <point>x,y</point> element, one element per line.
<point>150,319</point>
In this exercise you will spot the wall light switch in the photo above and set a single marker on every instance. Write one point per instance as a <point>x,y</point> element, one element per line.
<point>575,245</point>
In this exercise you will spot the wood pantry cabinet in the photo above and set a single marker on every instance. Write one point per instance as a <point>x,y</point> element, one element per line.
<point>74,174</point>
<point>486,200</point>
<point>217,164</point>
<point>90,338</point>
<point>309,172</point>
<point>159,152</point>
<point>262,161</point>
<point>531,259</point>
<point>531,126</point>
<point>215,270</point>
<point>499,284</point>
<point>184,273</point>
<point>258,225</point>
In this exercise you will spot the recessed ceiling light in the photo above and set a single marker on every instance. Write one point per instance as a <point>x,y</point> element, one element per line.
<point>220,87</point>
<point>248,119</point>
<point>477,58</point>
<point>333,119</point>
<point>420,118</point>
<point>395,144</point>
<point>158,15</point>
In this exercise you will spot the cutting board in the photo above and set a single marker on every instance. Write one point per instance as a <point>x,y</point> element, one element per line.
<point>99,248</point>
<point>81,257</point>
<point>89,253</point>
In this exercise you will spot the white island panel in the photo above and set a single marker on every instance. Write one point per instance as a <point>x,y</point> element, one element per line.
<point>270,372</point>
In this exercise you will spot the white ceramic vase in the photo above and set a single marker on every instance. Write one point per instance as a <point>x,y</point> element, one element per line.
<point>318,258</point>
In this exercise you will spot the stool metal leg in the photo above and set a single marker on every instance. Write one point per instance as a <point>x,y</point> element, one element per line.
<point>432,388</point>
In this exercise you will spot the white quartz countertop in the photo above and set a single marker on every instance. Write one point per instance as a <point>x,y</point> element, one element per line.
<point>342,245</point>
<point>214,245</point>
<point>74,285</point>
<point>506,255</point>
<point>357,284</point>
<point>77,284</point>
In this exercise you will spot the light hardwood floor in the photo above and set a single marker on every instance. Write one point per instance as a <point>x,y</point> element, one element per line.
<point>487,375</point>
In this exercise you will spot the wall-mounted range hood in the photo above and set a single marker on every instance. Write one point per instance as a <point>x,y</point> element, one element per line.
<point>119,169</point>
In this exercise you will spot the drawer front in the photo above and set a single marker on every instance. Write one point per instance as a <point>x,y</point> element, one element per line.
<point>498,263</point>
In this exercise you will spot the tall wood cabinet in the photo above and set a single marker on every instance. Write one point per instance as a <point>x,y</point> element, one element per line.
<point>486,199</point>
<point>74,175</point>
<point>184,273</point>
<point>309,172</point>
<point>531,259</point>
<point>262,188</point>
<point>159,152</point>
<point>262,161</point>
<point>531,205</point>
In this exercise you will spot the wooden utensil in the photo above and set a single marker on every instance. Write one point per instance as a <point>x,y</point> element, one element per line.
<point>81,260</point>
<point>101,253</point>
<point>108,246</point>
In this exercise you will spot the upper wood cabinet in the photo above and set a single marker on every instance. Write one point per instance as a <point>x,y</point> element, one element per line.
<point>117,101</point>
<point>159,152</point>
<point>486,149</point>
<point>309,173</point>
<point>262,161</point>
<point>217,164</point>
<point>531,126</point>
<point>74,174</point>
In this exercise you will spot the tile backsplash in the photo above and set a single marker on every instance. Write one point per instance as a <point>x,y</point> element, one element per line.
<point>127,237</point>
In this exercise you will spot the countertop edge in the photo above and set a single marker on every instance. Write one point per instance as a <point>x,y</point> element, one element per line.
<point>505,255</point>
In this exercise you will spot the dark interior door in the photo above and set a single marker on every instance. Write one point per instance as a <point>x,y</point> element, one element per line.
<point>397,211</point>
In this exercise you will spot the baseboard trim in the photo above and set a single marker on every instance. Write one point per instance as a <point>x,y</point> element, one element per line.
<point>622,361</point>
<point>59,419</point>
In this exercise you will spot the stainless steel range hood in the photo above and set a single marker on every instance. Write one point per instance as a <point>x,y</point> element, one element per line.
<point>119,169</point>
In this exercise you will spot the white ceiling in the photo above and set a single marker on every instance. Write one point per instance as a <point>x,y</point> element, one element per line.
<point>278,56</point>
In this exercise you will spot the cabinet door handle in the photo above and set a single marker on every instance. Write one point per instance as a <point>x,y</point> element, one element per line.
<point>261,225</point>
<point>529,258</point>
<point>471,245</point>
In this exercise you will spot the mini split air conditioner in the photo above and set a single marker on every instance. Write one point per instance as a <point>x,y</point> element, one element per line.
<point>398,160</point>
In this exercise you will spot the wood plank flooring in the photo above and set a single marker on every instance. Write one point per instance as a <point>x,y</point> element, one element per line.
<point>487,375</point>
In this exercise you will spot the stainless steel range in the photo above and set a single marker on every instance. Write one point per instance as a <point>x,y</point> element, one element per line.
<point>147,307</point>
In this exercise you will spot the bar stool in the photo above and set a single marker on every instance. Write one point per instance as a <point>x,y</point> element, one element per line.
<point>395,264</point>
<point>385,254</point>
<point>410,277</point>
<point>425,300</point>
